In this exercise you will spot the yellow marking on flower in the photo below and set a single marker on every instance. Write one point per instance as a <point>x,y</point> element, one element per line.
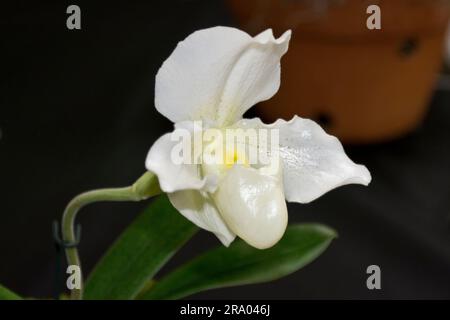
<point>233,157</point>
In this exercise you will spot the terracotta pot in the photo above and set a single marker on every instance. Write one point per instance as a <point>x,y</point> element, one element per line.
<point>362,85</point>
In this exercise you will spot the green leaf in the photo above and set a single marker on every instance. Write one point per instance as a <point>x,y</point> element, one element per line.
<point>6,294</point>
<point>241,264</point>
<point>142,249</point>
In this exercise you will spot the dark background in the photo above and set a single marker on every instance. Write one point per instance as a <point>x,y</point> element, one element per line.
<point>77,113</point>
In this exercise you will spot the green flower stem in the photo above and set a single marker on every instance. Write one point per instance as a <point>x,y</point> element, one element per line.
<point>146,186</point>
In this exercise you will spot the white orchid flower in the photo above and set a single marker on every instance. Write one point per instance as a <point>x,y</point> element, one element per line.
<point>215,75</point>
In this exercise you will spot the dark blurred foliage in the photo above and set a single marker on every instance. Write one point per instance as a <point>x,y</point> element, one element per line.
<point>76,113</point>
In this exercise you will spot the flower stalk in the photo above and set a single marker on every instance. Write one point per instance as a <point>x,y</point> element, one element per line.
<point>145,187</point>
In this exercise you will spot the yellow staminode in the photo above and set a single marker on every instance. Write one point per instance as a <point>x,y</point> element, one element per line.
<point>235,156</point>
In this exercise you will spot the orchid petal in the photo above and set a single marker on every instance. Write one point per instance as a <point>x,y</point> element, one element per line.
<point>171,176</point>
<point>314,162</point>
<point>197,207</point>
